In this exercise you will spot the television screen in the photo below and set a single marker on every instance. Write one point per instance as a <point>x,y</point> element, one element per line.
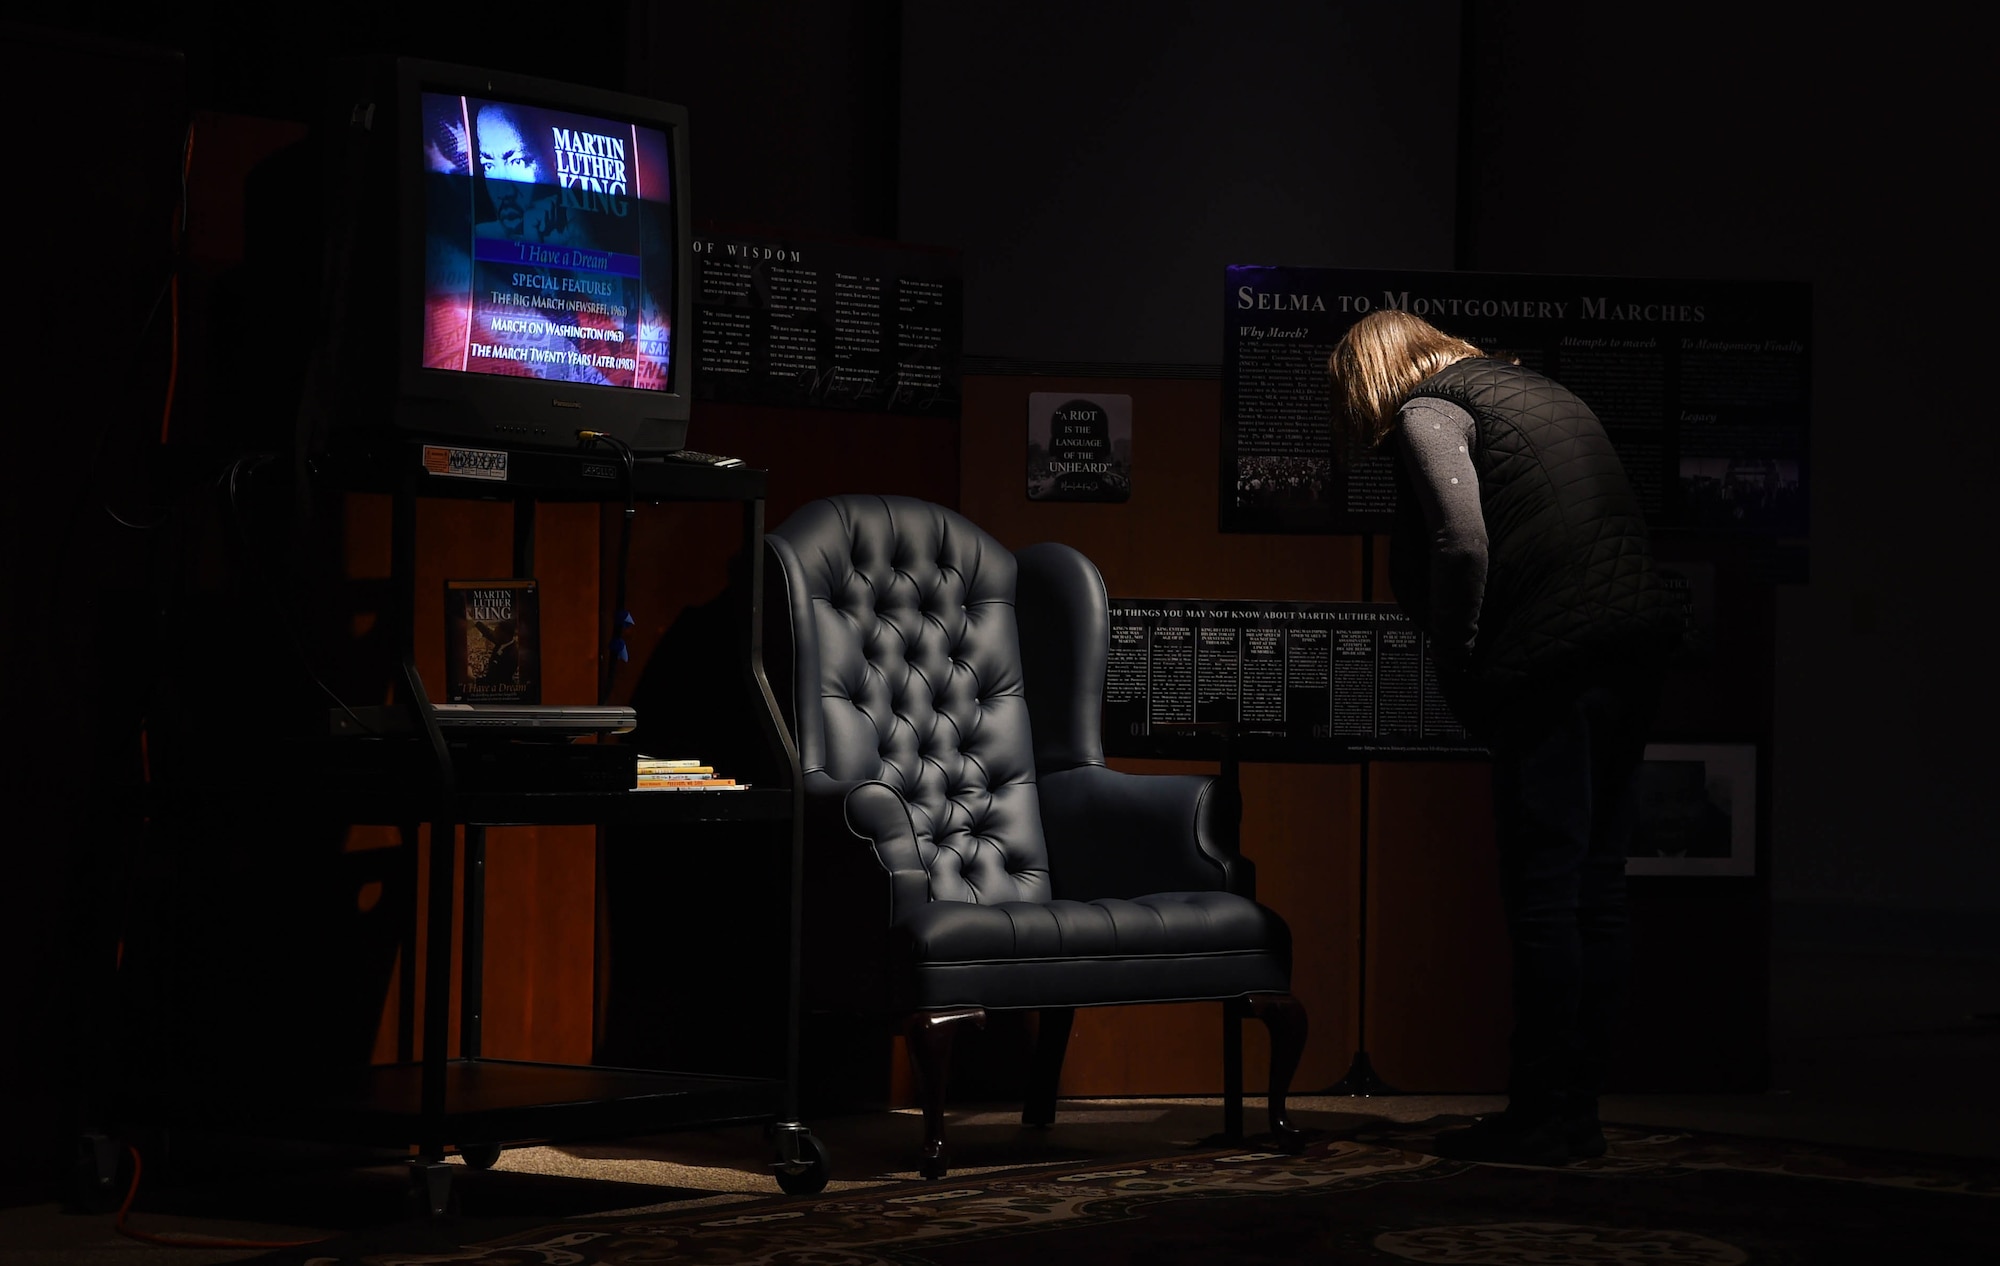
<point>549,244</point>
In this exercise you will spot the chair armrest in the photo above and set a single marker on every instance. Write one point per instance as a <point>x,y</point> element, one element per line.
<point>862,873</point>
<point>1113,834</point>
<point>873,816</point>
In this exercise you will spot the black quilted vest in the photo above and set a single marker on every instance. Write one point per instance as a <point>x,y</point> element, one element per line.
<point>1571,593</point>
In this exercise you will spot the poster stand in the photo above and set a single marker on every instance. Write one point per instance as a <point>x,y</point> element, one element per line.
<point>1297,683</point>
<point>1361,1078</point>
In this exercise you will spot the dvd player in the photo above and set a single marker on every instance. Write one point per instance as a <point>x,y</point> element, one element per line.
<point>494,720</point>
<point>544,717</point>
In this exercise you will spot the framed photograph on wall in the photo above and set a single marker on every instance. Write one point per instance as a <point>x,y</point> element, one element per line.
<point>1079,446</point>
<point>1697,811</point>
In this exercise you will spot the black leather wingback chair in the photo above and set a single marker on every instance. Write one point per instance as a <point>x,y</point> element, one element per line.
<point>967,849</point>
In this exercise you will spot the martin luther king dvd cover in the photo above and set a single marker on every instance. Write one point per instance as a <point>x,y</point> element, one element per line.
<point>548,244</point>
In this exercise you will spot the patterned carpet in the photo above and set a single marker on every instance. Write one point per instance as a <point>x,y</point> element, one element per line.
<point>1658,1199</point>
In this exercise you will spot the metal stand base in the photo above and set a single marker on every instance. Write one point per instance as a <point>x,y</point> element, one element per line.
<point>1361,1080</point>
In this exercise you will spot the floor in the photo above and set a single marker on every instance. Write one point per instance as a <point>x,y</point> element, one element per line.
<point>1895,1051</point>
<point>1892,1052</point>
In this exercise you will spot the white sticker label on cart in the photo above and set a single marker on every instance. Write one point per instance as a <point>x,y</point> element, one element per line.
<point>465,463</point>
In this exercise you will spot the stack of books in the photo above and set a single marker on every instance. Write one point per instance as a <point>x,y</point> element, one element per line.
<point>658,774</point>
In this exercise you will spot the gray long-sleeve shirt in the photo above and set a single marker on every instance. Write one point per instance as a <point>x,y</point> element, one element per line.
<point>1433,440</point>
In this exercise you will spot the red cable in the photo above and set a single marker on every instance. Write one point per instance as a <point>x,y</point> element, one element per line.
<point>184,1241</point>
<point>174,352</point>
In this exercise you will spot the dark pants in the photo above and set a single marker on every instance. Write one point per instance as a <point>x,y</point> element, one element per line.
<point>1564,804</point>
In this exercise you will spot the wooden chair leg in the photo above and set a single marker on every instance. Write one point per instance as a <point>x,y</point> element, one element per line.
<point>928,1035</point>
<point>1233,1012</point>
<point>1285,1019</point>
<point>1051,1041</point>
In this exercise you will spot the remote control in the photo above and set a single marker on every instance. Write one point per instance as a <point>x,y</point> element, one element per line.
<point>703,459</point>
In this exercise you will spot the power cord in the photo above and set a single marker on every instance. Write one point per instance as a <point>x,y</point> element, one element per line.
<point>618,652</point>
<point>241,466</point>
<point>169,294</point>
<point>183,1241</point>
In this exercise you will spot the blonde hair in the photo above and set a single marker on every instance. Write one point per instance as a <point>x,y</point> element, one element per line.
<point>1376,365</point>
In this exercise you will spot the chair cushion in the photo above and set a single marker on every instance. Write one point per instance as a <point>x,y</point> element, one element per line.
<point>1173,923</point>
<point>1176,946</point>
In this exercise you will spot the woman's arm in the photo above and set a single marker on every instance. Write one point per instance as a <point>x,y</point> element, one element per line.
<point>1433,438</point>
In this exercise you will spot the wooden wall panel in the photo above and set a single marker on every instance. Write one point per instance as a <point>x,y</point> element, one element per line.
<point>1438,988</point>
<point>681,553</point>
<point>1438,993</point>
<point>1163,543</point>
<point>540,881</point>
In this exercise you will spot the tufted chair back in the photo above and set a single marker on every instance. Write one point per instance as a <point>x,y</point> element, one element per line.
<point>905,669</point>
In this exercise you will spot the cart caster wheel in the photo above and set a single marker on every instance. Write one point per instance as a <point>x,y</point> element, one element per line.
<point>807,1175</point>
<point>479,1155</point>
<point>432,1194</point>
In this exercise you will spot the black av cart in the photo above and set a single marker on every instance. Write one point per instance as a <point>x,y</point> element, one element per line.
<point>435,1100</point>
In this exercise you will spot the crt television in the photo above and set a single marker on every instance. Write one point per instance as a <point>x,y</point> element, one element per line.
<point>508,262</point>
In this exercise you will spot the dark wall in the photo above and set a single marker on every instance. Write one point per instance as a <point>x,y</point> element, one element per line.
<point>76,505</point>
<point>1099,171</point>
<point>792,108</point>
<point>264,60</point>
